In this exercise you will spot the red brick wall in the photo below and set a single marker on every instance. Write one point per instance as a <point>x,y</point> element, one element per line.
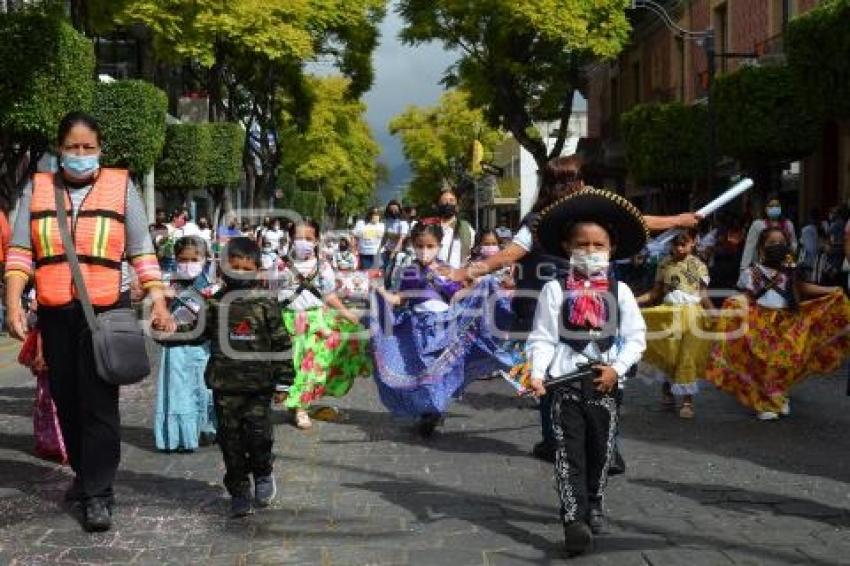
<point>749,24</point>
<point>697,18</point>
<point>597,95</point>
<point>804,6</point>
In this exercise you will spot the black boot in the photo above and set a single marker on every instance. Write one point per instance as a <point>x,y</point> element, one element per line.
<point>544,451</point>
<point>428,424</point>
<point>578,539</point>
<point>98,516</point>
<point>596,518</point>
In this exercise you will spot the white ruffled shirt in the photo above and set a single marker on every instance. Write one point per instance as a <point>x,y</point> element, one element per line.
<point>548,354</point>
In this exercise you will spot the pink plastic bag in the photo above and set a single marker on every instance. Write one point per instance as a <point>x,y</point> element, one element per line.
<point>45,422</point>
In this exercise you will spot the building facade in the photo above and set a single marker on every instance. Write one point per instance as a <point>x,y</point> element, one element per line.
<point>658,66</point>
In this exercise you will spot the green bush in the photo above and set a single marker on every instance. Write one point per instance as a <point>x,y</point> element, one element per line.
<point>132,116</point>
<point>185,158</point>
<point>308,203</point>
<point>46,70</point>
<point>666,142</point>
<point>818,50</point>
<point>227,143</point>
<point>763,117</point>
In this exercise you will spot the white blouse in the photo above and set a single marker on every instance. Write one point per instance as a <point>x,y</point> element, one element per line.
<point>547,352</point>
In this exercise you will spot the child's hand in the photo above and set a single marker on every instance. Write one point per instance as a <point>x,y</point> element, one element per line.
<point>607,379</point>
<point>537,387</point>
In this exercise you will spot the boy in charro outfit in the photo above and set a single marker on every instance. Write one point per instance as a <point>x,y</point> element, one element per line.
<point>249,347</point>
<point>586,319</point>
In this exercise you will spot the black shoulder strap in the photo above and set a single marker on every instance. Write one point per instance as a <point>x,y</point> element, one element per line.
<point>304,284</point>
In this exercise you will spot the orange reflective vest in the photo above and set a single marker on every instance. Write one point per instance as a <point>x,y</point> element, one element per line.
<point>98,233</point>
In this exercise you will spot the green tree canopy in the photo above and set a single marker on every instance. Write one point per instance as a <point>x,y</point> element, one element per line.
<point>336,153</point>
<point>666,143</point>
<point>437,139</point>
<point>185,159</point>
<point>132,116</point>
<point>763,117</point>
<point>520,61</point>
<point>818,49</point>
<point>46,71</point>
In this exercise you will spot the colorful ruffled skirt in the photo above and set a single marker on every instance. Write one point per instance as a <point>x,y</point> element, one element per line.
<point>677,345</point>
<point>328,353</point>
<point>760,362</point>
<point>424,359</point>
<point>184,405</point>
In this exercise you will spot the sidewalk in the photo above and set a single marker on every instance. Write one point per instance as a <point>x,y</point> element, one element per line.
<point>722,489</point>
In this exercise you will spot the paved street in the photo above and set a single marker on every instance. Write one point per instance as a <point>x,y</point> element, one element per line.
<point>722,489</point>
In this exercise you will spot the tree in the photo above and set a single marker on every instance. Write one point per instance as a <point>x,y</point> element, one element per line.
<point>185,160</point>
<point>336,153</point>
<point>245,53</point>
<point>818,53</point>
<point>132,116</point>
<point>763,117</point>
<point>46,70</point>
<point>521,62</point>
<point>666,143</point>
<point>437,140</point>
<point>224,166</point>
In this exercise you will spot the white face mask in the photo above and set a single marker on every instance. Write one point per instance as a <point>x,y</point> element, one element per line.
<point>426,255</point>
<point>190,269</point>
<point>489,251</point>
<point>589,263</point>
<point>774,212</point>
<point>304,249</point>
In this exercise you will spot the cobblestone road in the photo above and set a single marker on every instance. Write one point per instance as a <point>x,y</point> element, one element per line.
<point>722,489</point>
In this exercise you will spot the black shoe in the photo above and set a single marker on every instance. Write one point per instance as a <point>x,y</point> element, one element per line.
<point>428,424</point>
<point>543,451</point>
<point>98,517</point>
<point>618,465</point>
<point>596,519</point>
<point>578,539</point>
<point>240,506</point>
<point>206,439</point>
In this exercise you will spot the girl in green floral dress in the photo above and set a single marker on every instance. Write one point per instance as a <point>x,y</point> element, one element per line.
<point>328,343</point>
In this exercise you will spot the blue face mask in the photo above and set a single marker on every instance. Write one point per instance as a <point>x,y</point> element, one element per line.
<point>774,212</point>
<point>80,166</point>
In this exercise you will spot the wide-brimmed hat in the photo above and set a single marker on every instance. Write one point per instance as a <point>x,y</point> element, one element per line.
<point>618,216</point>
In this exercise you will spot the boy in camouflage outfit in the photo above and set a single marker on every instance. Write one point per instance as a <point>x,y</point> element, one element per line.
<point>249,347</point>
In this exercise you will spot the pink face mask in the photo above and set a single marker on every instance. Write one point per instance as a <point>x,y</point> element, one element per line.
<point>489,251</point>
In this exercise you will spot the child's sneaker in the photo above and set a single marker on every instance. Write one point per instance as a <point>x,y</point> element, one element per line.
<point>302,420</point>
<point>578,539</point>
<point>767,416</point>
<point>686,411</point>
<point>240,506</point>
<point>264,490</point>
<point>596,519</point>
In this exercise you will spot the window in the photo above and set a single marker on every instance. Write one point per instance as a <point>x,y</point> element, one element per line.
<point>721,34</point>
<point>782,12</point>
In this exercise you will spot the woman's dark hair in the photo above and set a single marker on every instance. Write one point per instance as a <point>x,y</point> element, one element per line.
<point>190,242</point>
<point>309,222</point>
<point>243,248</point>
<point>422,228</point>
<point>558,178</point>
<point>394,203</point>
<point>72,119</point>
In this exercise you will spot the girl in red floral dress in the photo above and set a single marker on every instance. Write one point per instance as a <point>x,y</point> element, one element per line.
<point>772,339</point>
<point>328,344</point>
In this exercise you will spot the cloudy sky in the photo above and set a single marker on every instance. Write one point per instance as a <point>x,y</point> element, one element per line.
<point>403,76</point>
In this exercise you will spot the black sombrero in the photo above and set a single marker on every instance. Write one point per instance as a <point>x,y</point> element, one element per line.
<point>614,212</point>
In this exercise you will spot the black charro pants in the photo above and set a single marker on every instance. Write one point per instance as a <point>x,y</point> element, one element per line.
<point>584,430</point>
<point>87,406</point>
<point>245,436</point>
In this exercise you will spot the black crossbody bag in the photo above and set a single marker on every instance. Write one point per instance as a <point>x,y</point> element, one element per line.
<point>117,336</point>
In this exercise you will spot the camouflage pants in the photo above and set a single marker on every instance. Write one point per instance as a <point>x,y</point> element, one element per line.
<point>245,437</point>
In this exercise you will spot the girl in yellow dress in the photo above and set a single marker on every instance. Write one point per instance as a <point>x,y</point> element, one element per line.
<point>677,345</point>
<point>772,340</point>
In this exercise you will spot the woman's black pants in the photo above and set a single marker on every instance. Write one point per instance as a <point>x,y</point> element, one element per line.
<point>86,404</point>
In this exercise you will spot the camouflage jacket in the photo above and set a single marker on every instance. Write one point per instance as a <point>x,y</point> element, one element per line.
<point>249,346</point>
